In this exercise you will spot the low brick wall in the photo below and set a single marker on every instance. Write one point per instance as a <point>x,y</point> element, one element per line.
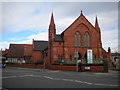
<point>61,67</point>
<point>56,67</point>
<point>68,68</point>
<point>25,65</point>
<point>73,68</point>
<point>93,68</point>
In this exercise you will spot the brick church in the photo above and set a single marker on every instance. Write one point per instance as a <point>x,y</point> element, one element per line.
<point>81,40</point>
<point>80,36</point>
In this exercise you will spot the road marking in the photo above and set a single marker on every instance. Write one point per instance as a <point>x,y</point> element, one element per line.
<point>78,81</point>
<point>36,76</point>
<point>47,77</point>
<point>16,76</point>
<point>83,82</point>
<point>67,79</point>
<point>9,77</point>
<point>107,85</point>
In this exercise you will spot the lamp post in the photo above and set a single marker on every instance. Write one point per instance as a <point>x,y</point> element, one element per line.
<point>76,56</point>
<point>44,56</point>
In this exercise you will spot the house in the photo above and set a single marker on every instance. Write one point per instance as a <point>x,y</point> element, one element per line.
<point>39,49</point>
<point>19,53</point>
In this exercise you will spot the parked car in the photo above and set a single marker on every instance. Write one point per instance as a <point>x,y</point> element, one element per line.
<point>2,62</point>
<point>2,65</point>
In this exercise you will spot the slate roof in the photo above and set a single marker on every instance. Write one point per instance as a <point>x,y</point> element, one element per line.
<point>58,38</point>
<point>40,45</point>
<point>103,50</point>
<point>19,50</point>
<point>115,54</point>
<point>16,51</point>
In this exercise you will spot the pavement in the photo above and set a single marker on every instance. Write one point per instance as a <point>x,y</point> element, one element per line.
<point>14,77</point>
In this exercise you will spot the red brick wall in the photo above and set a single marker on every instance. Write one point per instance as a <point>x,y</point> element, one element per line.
<point>57,50</point>
<point>68,48</point>
<point>36,56</point>
<point>69,68</point>
<point>60,67</point>
<point>82,26</point>
<point>28,50</point>
<point>73,68</point>
<point>25,65</point>
<point>94,68</point>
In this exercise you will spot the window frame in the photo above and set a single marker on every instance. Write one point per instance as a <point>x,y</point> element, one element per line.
<point>77,39</point>
<point>87,39</point>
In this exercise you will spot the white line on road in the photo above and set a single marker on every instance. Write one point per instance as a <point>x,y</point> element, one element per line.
<point>78,81</point>
<point>16,76</point>
<point>106,85</point>
<point>67,79</point>
<point>47,77</point>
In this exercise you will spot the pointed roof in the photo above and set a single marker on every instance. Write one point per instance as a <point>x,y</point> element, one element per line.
<point>16,50</point>
<point>79,18</point>
<point>96,23</point>
<point>52,24</point>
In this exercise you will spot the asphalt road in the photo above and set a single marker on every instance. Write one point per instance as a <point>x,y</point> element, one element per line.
<point>43,78</point>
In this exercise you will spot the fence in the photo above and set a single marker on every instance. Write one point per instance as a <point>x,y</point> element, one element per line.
<point>84,61</point>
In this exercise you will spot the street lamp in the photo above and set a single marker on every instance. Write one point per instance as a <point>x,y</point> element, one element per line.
<point>76,56</point>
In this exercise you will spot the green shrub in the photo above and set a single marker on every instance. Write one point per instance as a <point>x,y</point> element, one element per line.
<point>10,63</point>
<point>39,62</point>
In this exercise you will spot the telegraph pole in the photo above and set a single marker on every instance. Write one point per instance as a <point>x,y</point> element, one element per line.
<point>76,54</point>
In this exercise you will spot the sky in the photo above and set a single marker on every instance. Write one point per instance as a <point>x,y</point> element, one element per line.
<point>24,21</point>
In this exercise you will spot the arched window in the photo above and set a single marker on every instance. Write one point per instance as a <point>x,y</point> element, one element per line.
<point>87,40</point>
<point>77,39</point>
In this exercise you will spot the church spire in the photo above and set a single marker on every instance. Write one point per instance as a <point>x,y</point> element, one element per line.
<point>96,22</point>
<point>52,29</point>
<point>97,25</point>
<point>52,24</point>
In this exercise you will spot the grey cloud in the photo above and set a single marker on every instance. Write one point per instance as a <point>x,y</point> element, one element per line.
<point>71,9</point>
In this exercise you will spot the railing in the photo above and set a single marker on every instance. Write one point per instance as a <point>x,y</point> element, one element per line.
<point>84,61</point>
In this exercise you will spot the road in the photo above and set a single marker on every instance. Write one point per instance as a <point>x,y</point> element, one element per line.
<point>14,77</point>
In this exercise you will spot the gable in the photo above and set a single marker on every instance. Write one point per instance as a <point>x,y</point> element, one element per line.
<point>80,20</point>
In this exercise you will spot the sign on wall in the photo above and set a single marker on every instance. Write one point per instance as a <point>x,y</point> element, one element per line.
<point>88,68</point>
<point>89,56</point>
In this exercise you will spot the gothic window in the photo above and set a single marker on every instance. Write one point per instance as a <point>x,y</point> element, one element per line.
<point>87,40</point>
<point>77,39</point>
